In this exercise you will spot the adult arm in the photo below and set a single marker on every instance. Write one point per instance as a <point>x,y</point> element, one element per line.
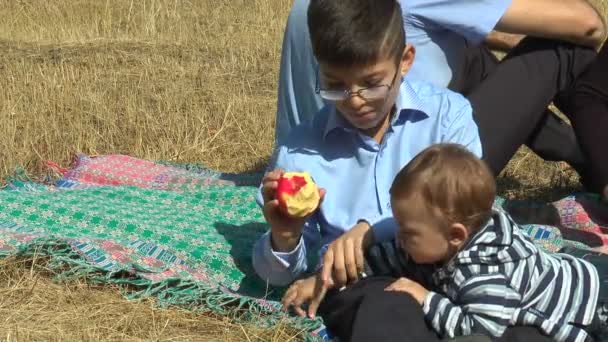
<point>501,41</point>
<point>574,21</point>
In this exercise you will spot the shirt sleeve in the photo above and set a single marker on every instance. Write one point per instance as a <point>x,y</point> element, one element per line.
<point>473,19</point>
<point>282,268</point>
<point>485,305</point>
<point>459,127</point>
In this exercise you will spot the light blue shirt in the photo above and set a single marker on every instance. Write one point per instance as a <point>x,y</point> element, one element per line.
<point>439,29</point>
<point>357,172</point>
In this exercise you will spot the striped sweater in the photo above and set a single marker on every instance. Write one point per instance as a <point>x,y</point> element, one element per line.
<point>500,279</point>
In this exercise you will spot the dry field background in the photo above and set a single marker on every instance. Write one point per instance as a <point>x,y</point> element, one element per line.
<point>191,81</point>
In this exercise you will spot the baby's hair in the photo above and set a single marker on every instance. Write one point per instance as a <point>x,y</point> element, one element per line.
<point>449,180</point>
<point>355,32</point>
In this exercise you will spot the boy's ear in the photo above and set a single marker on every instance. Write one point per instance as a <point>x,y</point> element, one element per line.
<point>458,235</point>
<point>407,59</point>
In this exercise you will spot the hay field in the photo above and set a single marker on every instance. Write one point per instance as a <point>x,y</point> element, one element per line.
<point>189,81</point>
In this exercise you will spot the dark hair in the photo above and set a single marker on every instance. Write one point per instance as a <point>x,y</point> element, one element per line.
<point>355,32</point>
<point>451,181</point>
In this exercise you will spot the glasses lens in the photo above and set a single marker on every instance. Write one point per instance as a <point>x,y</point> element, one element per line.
<point>333,95</point>
<point>374,93</point>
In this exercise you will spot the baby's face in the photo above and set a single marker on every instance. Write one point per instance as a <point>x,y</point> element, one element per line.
<point>419,236</point>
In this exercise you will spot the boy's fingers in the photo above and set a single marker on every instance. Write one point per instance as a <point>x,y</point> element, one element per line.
<point>313,307</point>
<point>269,190</point>
<point>297,306</point>
<point>360,258</point>
<point>328,263</point>
<point>274,174</point>
<point>316,301</point>
<point>350,261</point>
<point>271,205</point>
<point>340,276</point>
<point>288,298</point>
<point>322,193</point>
<point>299,311</point>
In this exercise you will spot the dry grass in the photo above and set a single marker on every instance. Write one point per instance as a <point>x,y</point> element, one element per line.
<point>170,79</point>
<point>33,308</point>
<point>158,79</point>
<point>182,80</point>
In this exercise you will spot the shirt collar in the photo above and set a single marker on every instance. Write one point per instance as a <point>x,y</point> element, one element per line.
<point>406,103</point>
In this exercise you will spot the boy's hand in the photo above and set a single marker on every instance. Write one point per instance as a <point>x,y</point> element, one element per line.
<point>344,258</point>
<point>285,231</point>
<point>309,290</point>
<point>411,287</point>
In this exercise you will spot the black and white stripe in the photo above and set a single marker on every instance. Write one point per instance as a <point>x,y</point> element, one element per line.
<point>500,279</point>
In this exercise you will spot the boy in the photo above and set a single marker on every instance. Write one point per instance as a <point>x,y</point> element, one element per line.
<point>488,275</point>
<point>377,123</point>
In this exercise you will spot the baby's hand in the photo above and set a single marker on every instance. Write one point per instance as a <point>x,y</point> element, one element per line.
<point>309,290</point>
<point>411,287</point>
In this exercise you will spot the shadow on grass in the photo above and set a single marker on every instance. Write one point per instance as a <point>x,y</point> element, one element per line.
<point>241,239</point>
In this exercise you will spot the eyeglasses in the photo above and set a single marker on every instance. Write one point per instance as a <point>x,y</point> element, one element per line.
<point>369,94</point>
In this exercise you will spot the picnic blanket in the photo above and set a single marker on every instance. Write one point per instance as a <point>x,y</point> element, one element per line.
<point>183,233</point>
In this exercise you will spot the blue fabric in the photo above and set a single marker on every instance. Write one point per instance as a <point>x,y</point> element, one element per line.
<point>437,28</point>
<point>357,172</point>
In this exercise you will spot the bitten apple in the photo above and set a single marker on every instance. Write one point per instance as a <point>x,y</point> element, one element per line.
<point>297,193</point>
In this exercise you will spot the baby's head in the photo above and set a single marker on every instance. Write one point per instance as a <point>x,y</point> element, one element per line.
<point>439,199</point>
<point>362,54</point>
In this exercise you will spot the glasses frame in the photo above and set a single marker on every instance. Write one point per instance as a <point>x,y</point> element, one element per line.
<point>347,93</point>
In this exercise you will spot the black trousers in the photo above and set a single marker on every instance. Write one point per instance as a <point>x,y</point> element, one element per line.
<point>365,312</point>
<point>587,108</point>
<point>510,99</point>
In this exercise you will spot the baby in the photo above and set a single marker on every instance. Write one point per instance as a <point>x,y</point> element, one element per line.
<point>489,275</point>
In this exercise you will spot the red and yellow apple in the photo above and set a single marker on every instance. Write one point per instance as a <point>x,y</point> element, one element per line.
<point>297,193</point>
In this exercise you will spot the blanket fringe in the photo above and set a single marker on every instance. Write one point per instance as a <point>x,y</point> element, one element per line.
<point>66,264</point>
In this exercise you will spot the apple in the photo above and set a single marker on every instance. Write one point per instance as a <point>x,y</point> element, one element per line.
<point>297,193</point>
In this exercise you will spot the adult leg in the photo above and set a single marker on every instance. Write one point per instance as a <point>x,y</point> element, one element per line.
<point>587,107</point>
<point>365,312</point>
<point>297,100</point>
<point>552,138</point>
<point>528,78</point>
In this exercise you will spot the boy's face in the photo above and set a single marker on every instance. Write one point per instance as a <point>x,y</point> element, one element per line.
<point>419,236</point>
<point>367,110</point>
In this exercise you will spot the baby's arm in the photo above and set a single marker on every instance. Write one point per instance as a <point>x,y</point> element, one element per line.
<point>486,305</point>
